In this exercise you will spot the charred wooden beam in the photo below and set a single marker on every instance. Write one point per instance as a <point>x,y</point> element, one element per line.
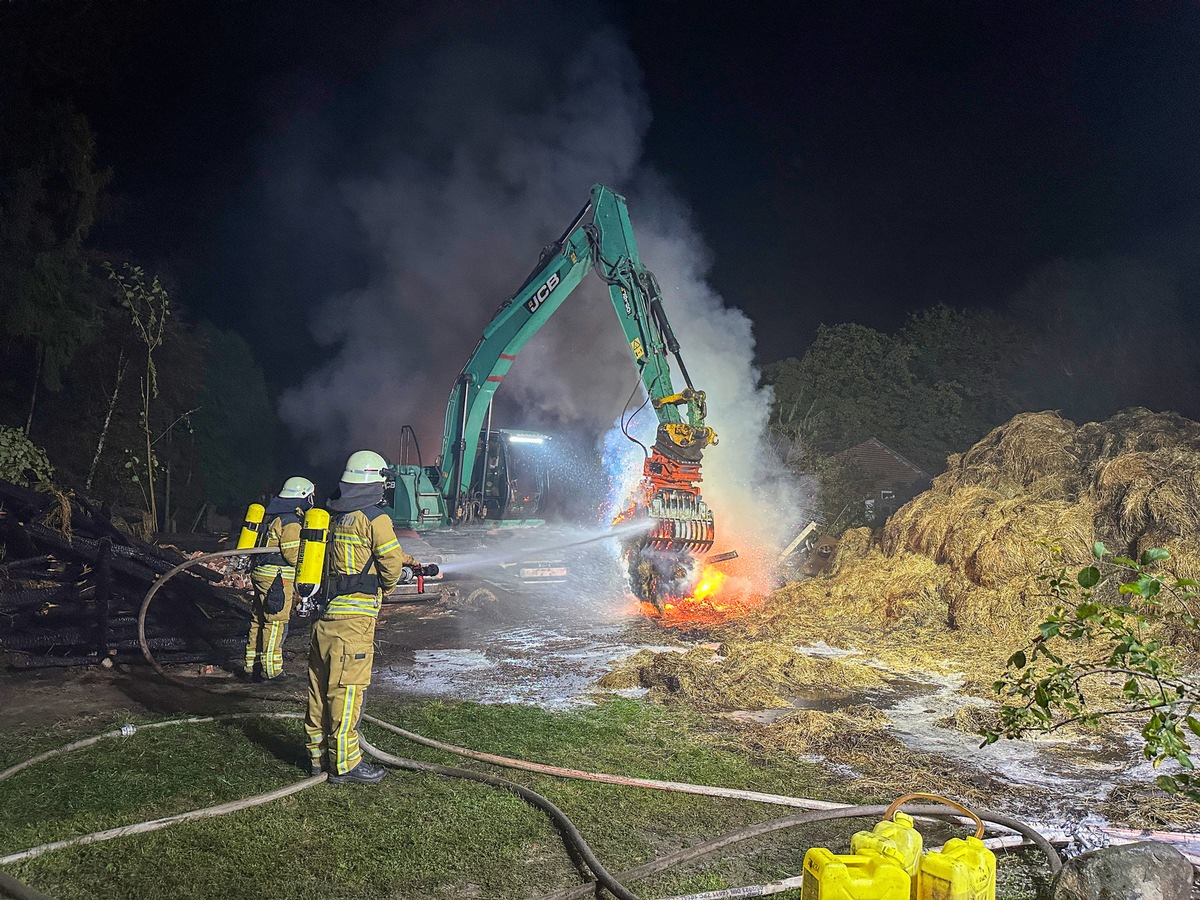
<point>89,550</point>
<point>32,597</point>
<point>103,594</point>
<point>10,566</point>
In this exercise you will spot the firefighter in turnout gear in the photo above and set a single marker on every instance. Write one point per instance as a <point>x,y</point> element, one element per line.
<point>274,578</point>
<point>366,564</point>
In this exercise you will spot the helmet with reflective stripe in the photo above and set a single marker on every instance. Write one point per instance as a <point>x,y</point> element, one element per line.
<point>297,488</point>
<point>365,467</point>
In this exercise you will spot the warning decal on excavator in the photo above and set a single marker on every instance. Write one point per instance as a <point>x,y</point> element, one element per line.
<point>636,346</point>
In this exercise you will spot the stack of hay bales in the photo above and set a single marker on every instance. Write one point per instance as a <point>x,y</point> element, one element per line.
<point>966,553</point>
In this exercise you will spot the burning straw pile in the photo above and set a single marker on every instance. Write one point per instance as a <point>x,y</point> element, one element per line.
<point>950,584</point>
<point>72,580</point>
<point>952,578</point>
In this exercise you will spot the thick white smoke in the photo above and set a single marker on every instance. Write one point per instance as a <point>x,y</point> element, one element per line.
<point>456,220</point>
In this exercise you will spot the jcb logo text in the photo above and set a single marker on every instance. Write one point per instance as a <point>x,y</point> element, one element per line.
<point>540,295</point>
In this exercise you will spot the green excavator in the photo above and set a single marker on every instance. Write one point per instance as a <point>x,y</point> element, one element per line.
<point>499,476</point>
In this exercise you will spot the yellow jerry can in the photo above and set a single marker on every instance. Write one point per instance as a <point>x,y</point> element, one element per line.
<point>964,869</point>
<point>897,840</point>
<point>859,876</point>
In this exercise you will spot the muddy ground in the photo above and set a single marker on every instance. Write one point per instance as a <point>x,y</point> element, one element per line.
<point>542,647</point>
<point>548,646</point>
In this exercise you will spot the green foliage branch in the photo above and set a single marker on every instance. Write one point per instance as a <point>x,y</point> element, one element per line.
<point>19,454</point>
<point>149,306</point>
<point>1112,624</point>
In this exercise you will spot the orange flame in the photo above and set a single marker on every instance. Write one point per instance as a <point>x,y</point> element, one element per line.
<point>711,579</point>
<point>714,599</point>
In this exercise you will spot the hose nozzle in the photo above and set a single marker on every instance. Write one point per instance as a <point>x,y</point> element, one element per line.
<point>409,573</point>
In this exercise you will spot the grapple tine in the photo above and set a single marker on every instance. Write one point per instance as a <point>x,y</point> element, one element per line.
<point>681,528</point>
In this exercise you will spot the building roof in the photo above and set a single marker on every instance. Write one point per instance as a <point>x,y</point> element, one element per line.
<point>886,467</point>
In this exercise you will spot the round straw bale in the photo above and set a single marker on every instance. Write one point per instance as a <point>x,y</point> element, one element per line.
<point>1026,449</point>
<point>853,544</point>
<point>1142,491</point>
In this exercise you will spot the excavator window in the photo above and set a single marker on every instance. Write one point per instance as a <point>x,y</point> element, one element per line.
<point>513,479</point>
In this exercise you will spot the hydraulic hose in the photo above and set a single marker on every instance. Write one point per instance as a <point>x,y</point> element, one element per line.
<point>565,826</point>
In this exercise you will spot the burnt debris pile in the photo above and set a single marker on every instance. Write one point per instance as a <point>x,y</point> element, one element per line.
<point>72,578</point>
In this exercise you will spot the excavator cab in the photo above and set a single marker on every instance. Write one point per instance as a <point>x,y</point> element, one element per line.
<point>513,479</point>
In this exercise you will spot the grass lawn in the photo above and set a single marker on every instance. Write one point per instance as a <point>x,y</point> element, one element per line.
<point>413,835</point>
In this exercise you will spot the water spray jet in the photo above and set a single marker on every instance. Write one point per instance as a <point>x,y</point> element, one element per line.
<point>476,561</point>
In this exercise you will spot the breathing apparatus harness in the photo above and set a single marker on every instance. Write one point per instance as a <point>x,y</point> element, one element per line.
<point>323,577</point>
<point>360,583</point>
<point>255,532</point>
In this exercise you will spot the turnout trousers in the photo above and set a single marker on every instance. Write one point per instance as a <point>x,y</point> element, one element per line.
<point>339,670</point>
<point>264,644</point>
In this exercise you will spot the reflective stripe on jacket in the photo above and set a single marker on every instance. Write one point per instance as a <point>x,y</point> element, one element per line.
<point>284,533</point>
<point>365,545</point>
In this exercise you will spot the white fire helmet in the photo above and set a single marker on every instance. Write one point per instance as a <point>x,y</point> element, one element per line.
<point>297,488</point>
<point>365,467</point>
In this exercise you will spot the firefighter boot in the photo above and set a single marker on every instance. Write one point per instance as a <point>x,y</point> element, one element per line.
<point>363,773</point>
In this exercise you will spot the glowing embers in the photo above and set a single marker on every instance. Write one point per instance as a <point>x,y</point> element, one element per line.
<point>678,589</point>
<point>714,598</point>
<point>716,589</point>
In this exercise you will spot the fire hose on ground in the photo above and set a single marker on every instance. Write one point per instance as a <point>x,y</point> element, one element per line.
<point>818,810</point>
<point>707,848</point>
<point>568,830</point>
<point>566,827</point>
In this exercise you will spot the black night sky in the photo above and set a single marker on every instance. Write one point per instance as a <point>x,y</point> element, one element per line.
<point>843,162</point>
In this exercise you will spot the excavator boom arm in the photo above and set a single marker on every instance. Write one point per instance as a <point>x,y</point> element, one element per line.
<point>599,238</point>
